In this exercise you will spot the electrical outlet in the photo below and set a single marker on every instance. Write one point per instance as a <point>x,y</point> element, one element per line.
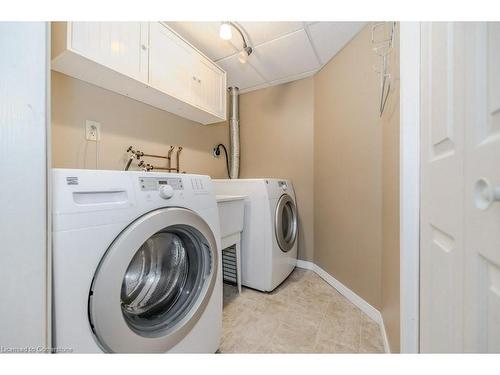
<point>93,130</point>
<point>216,152</point>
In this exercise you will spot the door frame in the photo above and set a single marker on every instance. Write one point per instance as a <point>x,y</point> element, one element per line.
<point>410,186</point>
<point>26,126</point>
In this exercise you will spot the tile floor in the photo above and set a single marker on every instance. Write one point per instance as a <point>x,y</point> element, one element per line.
<point>303,315</point>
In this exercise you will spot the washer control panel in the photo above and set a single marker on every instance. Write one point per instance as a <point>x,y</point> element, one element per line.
<point>155,183</point>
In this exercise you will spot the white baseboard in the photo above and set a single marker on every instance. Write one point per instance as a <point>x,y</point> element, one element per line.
<point>364,306</point>
<point>305,264</point>
<point>385,340</point>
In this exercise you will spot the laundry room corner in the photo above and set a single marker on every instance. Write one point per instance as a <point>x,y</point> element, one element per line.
<point>276,135</point>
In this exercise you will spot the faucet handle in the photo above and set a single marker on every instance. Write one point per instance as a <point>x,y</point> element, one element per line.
<point>145,166</point>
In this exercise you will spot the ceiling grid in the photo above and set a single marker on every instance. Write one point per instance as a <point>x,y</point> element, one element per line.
<point>282,51</point>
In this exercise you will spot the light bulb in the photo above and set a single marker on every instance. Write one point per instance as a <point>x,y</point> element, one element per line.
<point>243,56</point>
<point>225,31</point>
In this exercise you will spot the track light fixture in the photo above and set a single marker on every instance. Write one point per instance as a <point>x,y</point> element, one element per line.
<point>225,32</point>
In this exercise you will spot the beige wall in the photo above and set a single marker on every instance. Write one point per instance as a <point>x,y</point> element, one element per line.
<point>356,178</point>
<point>347,170</point>
<point>390,208</point>
<point>124,122</point>
<point>276,132</point>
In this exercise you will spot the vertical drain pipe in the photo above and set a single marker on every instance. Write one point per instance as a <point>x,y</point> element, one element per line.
<point>234,132</point>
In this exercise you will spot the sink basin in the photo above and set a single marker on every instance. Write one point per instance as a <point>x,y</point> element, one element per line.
<point>231,211</point>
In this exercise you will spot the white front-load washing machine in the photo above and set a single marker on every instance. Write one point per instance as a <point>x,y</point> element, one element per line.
<point>136,262</point>
<point>269,239</point>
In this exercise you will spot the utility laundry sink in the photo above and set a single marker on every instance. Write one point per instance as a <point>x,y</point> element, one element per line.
<point>231,211</point>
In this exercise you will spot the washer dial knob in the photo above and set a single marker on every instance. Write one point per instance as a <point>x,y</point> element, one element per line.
<point>166,191</point>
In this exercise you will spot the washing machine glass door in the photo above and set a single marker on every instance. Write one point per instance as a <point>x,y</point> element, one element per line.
<point>286,223</point>
<point>154,282</point>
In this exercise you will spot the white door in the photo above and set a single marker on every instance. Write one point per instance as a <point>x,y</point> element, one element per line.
<point>460,154</point>
<point>442,151</point>
<point>121,46</point>
<point>171,63</point>
<point>482,177</point>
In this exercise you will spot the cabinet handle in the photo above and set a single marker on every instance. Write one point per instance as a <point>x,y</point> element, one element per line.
<point>194,78</point>
<point>144,47</point>
<point>199,80</point>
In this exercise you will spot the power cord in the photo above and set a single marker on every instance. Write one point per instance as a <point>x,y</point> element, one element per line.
<point>217,154</point>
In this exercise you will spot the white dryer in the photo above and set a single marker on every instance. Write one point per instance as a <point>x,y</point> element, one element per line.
<point>269,238</point>
<point>136,262</point>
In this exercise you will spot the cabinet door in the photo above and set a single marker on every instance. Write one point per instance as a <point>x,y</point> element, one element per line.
<point>171,63</point>
<point>209,93</point>
<point>121,46</point>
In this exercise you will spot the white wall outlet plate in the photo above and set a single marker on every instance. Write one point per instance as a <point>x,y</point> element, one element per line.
<point>93,130</point>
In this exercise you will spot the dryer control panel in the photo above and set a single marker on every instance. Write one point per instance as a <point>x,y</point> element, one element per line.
<point>154,183</point>
<point>283,185</point>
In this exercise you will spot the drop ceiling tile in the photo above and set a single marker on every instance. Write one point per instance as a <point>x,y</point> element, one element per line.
<point>329,38</point>
<point>205,37</point>
<point>286,56</point>
<point>238,74</point>
<point>295,77</point>
<point>261,32</point>
<point>254,88</point>
<point>283,51</point>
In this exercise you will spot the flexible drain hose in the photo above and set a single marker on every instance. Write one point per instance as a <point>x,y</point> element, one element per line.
<point>217,153</point>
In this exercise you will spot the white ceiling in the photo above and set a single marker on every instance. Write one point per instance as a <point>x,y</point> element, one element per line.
<point>282,51</point>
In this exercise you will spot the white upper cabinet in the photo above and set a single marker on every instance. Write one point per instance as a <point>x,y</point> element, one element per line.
<point>171,75</point>
<point>146,61</point>
<point>191,75</point>
<point>209,86</point>
<point>122,46</point>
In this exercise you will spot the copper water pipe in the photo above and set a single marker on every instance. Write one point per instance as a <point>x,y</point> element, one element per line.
<point>155,156</point>
<point>179,149</point>
<point>169,168</point>
<point>140,154</point>
<point>164,169</point>
<point>169,157</point>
